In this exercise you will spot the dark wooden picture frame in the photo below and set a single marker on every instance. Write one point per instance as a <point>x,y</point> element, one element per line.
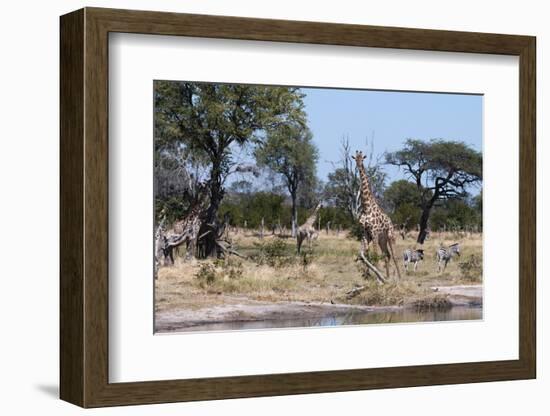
<point>84,207</point>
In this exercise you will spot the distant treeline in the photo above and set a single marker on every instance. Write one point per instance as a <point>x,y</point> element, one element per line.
<point>248,209</point>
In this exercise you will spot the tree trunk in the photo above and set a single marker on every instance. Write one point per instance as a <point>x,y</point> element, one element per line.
<point>262,229</point>
<point>294,215</point>
<point>424,223</point>
<point>210,227</point>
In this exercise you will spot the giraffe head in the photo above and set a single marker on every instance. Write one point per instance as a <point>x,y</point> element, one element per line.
<point>359,158</point>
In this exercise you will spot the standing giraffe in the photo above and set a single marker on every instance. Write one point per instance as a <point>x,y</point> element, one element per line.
<point>377,226</point>
<point>187,230</point>
<point>183,231</point>
<point>306,231</point>
<point>159,242</point>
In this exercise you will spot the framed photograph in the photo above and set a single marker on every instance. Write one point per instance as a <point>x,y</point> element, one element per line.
<point>255,207</point>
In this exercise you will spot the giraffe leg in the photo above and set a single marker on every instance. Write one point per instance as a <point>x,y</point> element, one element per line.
<point>387,266</point>
<point>394,260</point>
<point>169,255</point>
<point>299,240</point>
<point>190,249</point>
<point>385,243</point>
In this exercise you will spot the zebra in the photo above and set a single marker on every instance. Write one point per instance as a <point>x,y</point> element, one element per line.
<point>412,256</point>
<point>444,255</point>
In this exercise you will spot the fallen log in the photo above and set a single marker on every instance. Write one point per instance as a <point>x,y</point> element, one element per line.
<point>372,268</point>
<point>226,247</point>
<point>355,291</point>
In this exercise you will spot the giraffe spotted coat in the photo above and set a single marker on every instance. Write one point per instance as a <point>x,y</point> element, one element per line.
<point>377,226</point>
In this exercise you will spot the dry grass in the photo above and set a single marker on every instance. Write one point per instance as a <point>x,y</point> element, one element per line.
<point>328,272</point>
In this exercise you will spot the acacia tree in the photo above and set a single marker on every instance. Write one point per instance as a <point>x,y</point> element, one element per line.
<point>289,150</point>
<point>209,120</point>
<point>441,170</point>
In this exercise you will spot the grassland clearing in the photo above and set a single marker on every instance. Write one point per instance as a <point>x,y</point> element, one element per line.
<point>272,277</point>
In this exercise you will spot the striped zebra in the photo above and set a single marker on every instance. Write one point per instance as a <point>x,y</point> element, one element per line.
<point>444,255</point>
<point>412,256</point>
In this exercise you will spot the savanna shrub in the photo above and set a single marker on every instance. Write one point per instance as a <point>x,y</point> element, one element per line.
<point>206,274</point>
<point>273,253</point>
<point>232,267</point>
<point>472,268</point>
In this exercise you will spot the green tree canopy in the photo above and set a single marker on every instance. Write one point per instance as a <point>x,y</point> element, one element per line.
<point>403,201</point>
<point>401,192</point>
<point>208,120</point>
<point>290,151</point>
<point>455,214</point>
<point>441,170</point>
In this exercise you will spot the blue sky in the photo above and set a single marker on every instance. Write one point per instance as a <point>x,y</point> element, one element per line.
<point>390,118</point>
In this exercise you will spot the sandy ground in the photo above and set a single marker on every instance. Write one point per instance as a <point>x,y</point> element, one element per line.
<point>256,311</point>
<point>462,295</point>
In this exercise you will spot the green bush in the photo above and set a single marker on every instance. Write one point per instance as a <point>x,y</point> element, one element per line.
<point>273,253</point>
<point>356,231</point>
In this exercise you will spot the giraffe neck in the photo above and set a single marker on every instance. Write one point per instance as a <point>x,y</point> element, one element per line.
<point>367,198</point>
<point>194,212</point>
<point>311,219</point>
<point>191,216</point>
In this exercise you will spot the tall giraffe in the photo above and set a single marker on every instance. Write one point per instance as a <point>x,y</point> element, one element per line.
<point>377,226</point>
<point>306,231</point>
<point>185,230</point>
<point>159,241</point>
